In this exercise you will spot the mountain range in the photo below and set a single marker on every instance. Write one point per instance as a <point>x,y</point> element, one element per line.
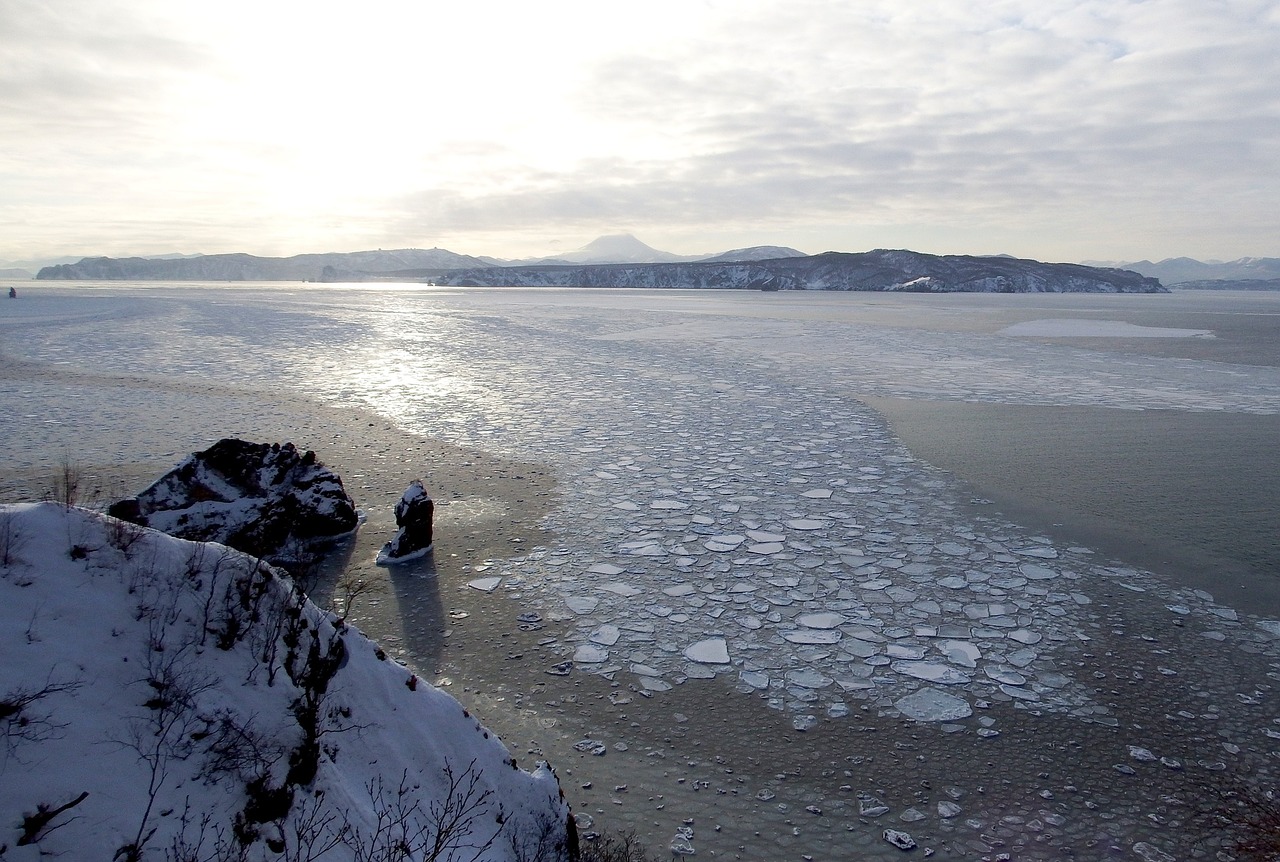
<point>1186,271</point>
<point>598,264</point>
<point>624,261</point>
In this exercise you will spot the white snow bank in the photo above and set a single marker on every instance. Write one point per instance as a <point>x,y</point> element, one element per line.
<point>156,676</point>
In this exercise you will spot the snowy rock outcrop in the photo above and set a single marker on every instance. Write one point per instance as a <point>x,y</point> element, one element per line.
<point>414,515</point>
<point>165,699</point>
<point>264,499</point>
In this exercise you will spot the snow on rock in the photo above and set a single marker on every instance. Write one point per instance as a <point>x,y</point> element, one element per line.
<point>263,499</point>
<point>159,695</point>
<point>414,514</point>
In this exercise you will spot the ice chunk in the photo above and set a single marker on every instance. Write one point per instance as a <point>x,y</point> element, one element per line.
<point>722,544</point>
<point>807,678</point>
<point>590,654</point>
<point>929,704</point>
<point>606,635</point>
<point>1037,573</point>
<point>962,653</point>
<point>620,589</point>
<point>1005,675</point>
<point>804,722</point>
<point>709,651</point>
<point>644,549</point>
<point>930,672</point>
<point>485,585</point>
<point>899,839</point>
<point>813,636</point>
<point>826,620</point>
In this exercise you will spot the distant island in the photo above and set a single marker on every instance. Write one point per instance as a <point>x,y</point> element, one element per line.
<point>624,261</point>
<point>879,270</point>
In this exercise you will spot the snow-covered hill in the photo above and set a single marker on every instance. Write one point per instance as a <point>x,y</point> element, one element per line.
<point>164,699</point>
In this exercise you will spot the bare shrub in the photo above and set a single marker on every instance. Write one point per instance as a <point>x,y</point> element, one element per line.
<point>123,535</point>
<point>68,485</point>
<point>1243,818</point>
<point>11,538</point>
<point>457,826</point>
<point>36,825</point>
<point>312,831</point>
<point>21,721</point>
<point>234,748</point>
<point>547,839</point>
<point>166,733</point>
<point>349,589</point>
<point>202,840</point>
<point>619,847</point>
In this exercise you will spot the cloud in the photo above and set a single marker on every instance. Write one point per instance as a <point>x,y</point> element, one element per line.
<point>1071,110</point>
<point>1067,125</point>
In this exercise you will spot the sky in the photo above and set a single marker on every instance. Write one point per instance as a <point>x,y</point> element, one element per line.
<point>1061,130</point>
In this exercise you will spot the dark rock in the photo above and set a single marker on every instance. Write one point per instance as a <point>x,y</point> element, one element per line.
<point>414,515</point>
<point>269,500</point>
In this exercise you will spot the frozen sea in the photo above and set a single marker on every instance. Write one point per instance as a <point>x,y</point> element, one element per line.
<point>1043,628</point>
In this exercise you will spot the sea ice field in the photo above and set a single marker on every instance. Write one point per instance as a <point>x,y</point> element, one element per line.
<point>770,627</point>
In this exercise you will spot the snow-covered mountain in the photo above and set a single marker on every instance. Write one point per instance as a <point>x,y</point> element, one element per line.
<point>757,252</point>
<point>171,700</point>
<point>1178,270</point>
<point>617,248</point>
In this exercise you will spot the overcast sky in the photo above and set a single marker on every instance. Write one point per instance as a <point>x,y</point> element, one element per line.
<point>1053,129</point>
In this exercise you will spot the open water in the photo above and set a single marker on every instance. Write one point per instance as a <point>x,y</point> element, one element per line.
<point>995,571</point>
